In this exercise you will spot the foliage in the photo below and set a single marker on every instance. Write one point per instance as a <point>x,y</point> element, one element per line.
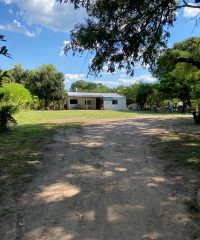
<point>16,74</point>
<point>144,94</point>
<point>46,83</point>
<point>121,33</point>
<point>179,79</point>
<point>35,103</point>
<point>6,113</point>
<point>3,49</point>
<point>16,95</point>
<point>129,92</point>
<point>83,86</point>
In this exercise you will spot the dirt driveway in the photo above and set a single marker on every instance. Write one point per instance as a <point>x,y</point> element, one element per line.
<point>105,182</point>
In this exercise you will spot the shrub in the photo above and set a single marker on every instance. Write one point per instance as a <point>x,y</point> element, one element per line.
<point>7,122</point>
<point>16,95</point>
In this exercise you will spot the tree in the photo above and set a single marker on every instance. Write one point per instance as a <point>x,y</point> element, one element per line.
<point>180,80</point>
<point>129,91</point>
<point>84,86</point>
<point>144,90</point>
<point>144,94</point>
<point>121,33</point>
<point>46,83</point>
<point>16,74</point>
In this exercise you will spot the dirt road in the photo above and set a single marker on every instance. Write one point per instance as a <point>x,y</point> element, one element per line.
<point>104,182</point>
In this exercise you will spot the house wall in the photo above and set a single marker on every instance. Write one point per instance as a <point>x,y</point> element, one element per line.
<point>81,103</point>
<point>107,102</point>
<point>120,106</point>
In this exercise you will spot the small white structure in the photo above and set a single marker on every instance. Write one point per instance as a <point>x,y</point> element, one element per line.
<point>92,101</point>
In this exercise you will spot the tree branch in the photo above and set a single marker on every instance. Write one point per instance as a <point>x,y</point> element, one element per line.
<point>188,60</point>
<point>186,4</point>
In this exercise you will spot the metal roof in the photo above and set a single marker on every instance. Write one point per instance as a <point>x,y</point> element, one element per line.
<point>94,95</point>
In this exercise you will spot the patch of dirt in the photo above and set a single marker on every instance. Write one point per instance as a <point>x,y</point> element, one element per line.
<point>106,181</point>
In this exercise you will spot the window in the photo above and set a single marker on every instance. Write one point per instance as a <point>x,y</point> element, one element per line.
<point>73,101</point>
<point>115,102</point>
<point>88,102</point>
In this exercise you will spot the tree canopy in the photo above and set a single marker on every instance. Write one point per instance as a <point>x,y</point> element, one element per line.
<point>46,83</point>
<point>84,86</point>
<point>121,33</point>
<point>180,80</point>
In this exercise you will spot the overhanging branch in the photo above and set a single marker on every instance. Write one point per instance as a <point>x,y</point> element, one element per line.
<point>188,60</point>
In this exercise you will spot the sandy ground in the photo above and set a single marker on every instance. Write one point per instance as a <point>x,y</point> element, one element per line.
<point>104,182</point>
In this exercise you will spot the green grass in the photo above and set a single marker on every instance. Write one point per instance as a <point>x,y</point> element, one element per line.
<point>46,116</point>
<point>181,143</point>
<point>27,117</point>
<point>184,148</point>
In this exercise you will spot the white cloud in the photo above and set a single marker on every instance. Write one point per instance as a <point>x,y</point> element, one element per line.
<point>62,53</point>
<point>108,83</point>
<point>49,14</point>
<point>70,78</point>
<point>122,75</point>
<point>16,26</point>
<point>10,11</point>
<point>191,12</point>
<point>128,81</point>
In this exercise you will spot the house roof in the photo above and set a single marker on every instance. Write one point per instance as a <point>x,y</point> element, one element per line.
<point>94,95</point>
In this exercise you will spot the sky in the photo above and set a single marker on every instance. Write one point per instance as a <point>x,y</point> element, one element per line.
<point>37,30</point>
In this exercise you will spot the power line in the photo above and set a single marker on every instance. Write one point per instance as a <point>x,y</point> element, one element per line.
<point>84,63</point>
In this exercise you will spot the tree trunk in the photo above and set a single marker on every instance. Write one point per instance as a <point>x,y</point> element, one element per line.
<point>46,103</point>
<point>184,107</point>
<point>196,116</point>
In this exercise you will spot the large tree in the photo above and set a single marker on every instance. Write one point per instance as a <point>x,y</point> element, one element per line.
<point>46,83</point>
<point>121,33</point>
<point>180,80</point>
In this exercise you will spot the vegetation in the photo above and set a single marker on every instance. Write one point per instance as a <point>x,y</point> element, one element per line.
<point>16,95</point>
<point>3,49</point>
<point>83,86</point>
<point>25,117</point>
<point>45,84</point>
<point>180,80</point>
<point>178,83</point>
<point>180,145</point>
<point>122,33</point>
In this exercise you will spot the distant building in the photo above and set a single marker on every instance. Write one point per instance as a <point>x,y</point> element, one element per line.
<point>92,101</point>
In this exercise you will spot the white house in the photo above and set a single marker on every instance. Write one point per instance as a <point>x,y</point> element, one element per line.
<point>92,101</point>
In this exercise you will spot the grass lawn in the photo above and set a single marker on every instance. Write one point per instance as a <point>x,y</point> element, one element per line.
<point>48,116</point>
<point>178,141</point>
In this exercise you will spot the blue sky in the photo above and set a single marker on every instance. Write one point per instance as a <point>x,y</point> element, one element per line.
<point>36,31</point>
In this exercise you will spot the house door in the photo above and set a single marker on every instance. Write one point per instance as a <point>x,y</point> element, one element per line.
<point>99,102</point>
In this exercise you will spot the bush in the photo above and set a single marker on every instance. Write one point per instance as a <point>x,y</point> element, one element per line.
<point>7,122</point>
<point>16,95</point>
